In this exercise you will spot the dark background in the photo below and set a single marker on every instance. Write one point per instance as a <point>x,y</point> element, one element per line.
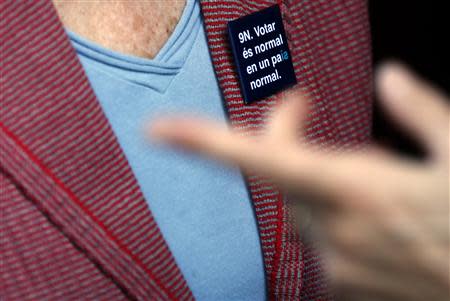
<point>416,33</point>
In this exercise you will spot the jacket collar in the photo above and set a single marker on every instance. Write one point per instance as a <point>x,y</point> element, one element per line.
<point>282,249</point>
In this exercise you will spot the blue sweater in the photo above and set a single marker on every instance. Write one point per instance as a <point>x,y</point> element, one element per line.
<point>202,208</point>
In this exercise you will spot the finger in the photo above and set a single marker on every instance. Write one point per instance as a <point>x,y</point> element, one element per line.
<point>203,136</point>
<point>285,124</point>
<point>331,178</point>
<point>297,169</point>
<point>420,108</point>
<point>292,167</point>
<point>286,166</point>
<point>219,142</point>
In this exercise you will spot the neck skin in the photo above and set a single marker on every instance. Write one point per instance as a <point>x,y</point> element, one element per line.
<point>138,28</point>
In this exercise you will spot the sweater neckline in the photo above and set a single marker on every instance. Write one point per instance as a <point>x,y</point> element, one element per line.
<point>165,65</point>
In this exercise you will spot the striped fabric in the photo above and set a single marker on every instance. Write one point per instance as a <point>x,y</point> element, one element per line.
<point>74,224</point>
<point>329,41</point>
<point>64,174</point>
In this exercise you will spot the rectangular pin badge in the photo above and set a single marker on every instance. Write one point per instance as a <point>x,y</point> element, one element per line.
<point>263,60</point>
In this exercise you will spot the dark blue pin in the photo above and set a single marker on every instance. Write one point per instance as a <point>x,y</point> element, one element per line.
<point>261,53</point>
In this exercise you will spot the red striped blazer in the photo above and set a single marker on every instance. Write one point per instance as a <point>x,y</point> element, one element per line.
<point>74,224</point>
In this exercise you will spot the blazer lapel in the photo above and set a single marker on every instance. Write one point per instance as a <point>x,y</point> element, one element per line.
<point>332,68</point>
<point>279,244</point>
<point>61,148</point>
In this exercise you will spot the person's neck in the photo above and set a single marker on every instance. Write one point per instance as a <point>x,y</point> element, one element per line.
<point>138,28</point>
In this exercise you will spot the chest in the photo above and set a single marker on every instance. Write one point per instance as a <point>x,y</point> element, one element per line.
<point>138,28</point>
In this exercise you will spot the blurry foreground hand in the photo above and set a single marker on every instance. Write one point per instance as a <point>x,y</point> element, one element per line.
<point>384,218</point>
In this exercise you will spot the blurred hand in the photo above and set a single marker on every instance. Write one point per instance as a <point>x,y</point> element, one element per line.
<point>384,219</point>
